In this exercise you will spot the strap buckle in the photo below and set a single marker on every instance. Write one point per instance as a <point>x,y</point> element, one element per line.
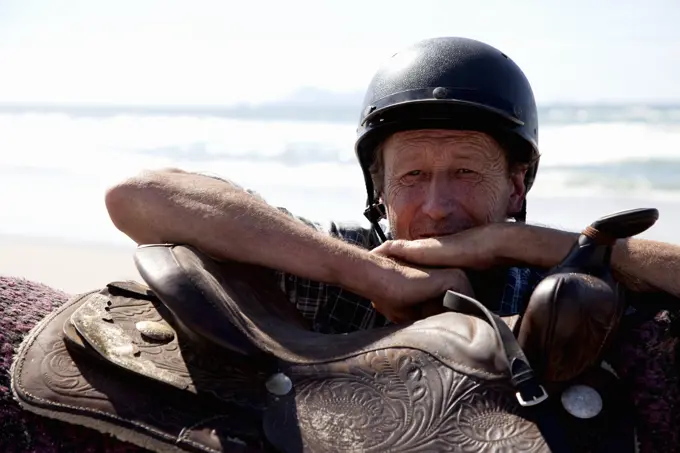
<point>533,401</point>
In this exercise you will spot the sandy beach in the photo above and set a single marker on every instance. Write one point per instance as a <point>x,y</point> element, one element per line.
<point>70,266</point>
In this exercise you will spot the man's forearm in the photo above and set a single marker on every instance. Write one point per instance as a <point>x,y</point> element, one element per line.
<point>228,223</point>
<point>646,265</point>
<point>639,264</point>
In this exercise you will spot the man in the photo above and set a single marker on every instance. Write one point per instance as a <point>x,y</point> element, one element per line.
<point>448,143</point>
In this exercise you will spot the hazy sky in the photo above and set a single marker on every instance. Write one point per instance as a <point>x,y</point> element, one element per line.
<point>213,52</point>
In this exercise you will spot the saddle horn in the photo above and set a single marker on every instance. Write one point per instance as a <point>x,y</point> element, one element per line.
<point>575,310</point>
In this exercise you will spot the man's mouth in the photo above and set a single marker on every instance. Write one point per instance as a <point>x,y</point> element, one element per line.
<point>432,235</point>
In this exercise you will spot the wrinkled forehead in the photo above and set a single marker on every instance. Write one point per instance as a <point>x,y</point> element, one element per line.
<point>435,142</point>
<point>439,146</point>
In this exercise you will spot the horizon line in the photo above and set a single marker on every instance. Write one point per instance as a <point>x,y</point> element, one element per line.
<point>303,103</point>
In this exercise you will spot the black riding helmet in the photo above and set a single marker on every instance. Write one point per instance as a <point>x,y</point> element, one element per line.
<point>448,83</point>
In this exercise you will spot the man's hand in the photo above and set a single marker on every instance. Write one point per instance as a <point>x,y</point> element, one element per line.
<point>410,293</point>
<point>639,264</point>
<point>477,248</point>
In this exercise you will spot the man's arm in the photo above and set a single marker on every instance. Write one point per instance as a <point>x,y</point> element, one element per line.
<point>639,264</point>
<point>226,222</point>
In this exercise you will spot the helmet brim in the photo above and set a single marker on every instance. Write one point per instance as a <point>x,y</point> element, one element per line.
<point>443,95</point>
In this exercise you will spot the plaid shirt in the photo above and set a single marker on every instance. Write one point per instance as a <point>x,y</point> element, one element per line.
<point>335,310</point>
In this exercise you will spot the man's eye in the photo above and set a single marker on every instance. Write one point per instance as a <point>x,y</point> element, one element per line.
<point>411,177</point>
<point>464,171</point>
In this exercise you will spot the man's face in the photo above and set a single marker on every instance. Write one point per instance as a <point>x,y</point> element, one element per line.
<point>440,182</point>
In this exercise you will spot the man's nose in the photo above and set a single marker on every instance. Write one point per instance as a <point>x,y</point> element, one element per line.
<point>439,198</point>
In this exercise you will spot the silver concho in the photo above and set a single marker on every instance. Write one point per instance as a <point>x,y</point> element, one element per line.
<point>582,401</point>
<point>155,330</point>
<point>279,384</point>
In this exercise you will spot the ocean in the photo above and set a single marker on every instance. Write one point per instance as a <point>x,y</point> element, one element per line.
<point>55,163</point>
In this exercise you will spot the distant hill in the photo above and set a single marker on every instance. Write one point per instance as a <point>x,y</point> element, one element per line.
<point>314,104</point>
<point>307,104</point>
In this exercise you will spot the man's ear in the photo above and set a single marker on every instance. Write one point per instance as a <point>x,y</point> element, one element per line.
<point>519,191</point>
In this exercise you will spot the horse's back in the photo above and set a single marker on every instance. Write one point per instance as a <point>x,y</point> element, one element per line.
<point>24,303</point>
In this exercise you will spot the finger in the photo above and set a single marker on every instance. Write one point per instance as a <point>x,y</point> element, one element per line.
<point>411,252</point>
<point>383,249</point>
<point>400,315</point>
<point>458,281</point>
<point>426,252</point>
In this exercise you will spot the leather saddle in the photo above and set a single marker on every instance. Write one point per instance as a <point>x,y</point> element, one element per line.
<point>208,356</point>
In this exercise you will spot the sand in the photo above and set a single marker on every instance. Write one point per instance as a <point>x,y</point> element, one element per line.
<point>70,266</point>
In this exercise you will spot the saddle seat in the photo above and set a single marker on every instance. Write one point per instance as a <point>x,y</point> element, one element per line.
<point>211,357</point>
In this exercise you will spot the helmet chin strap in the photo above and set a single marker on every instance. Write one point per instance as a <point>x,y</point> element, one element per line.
<point>374,213</point>
<point>521,216</point>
